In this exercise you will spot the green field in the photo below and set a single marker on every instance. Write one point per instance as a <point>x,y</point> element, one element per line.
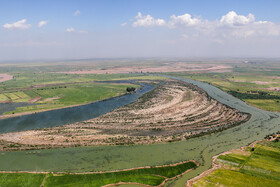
<point>258,166</point>
<point>150,176</point>
<point>21,179</point>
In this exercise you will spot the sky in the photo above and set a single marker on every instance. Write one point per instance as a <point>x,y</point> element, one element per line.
<point>72,29</point>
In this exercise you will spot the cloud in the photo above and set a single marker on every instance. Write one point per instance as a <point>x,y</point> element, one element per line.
<point>229,25</point>
<point>183,20</point>
<point>78,31</point>
<point>147,21</point>
<point>17,25</point>
<point>241,26</point>
<point>42,23</point>
<point>76,13</point>
<point>124,24</point>
<point>231,18</point>
<point>70,29</point>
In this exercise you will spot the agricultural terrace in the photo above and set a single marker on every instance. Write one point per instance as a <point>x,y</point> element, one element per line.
<point>151,176</point>
<point>257,165</point>
<point>174,111</point>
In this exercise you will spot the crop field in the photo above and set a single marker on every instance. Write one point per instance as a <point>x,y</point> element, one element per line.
<point>150,176</point>
<point>258,166</point>
<point>21,179</point>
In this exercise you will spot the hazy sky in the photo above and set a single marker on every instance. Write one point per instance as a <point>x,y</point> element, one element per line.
<point>66,29</point>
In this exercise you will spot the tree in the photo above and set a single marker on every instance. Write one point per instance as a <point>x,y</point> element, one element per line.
<point>130,89</point>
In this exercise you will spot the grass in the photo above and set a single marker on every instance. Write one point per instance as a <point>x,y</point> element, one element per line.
<point>223,177</point>
<point>265,104</point>
<point>149,176</point>
<point>3,98</point>
<point>21,179</point>
<point>260,167</point>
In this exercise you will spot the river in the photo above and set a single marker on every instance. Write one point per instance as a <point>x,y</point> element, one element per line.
<point>107,158</point>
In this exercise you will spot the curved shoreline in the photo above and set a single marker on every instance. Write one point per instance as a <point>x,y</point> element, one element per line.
<point>100,172</point>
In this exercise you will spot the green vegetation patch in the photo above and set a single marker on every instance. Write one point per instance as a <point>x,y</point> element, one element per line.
<point>224,177</point>
<point>239,159</point>
<point>21,179</point>
<point>265,104</point>
<point>256,95</point>
<point>150,176</point>
<point>3,98</point>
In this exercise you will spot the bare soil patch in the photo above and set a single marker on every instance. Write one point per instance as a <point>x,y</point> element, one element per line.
<point>5,77</point>
<point>34,100</point>
<point>167,67</point>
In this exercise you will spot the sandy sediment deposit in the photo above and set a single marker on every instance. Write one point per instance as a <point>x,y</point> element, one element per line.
<point>171,112</point>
